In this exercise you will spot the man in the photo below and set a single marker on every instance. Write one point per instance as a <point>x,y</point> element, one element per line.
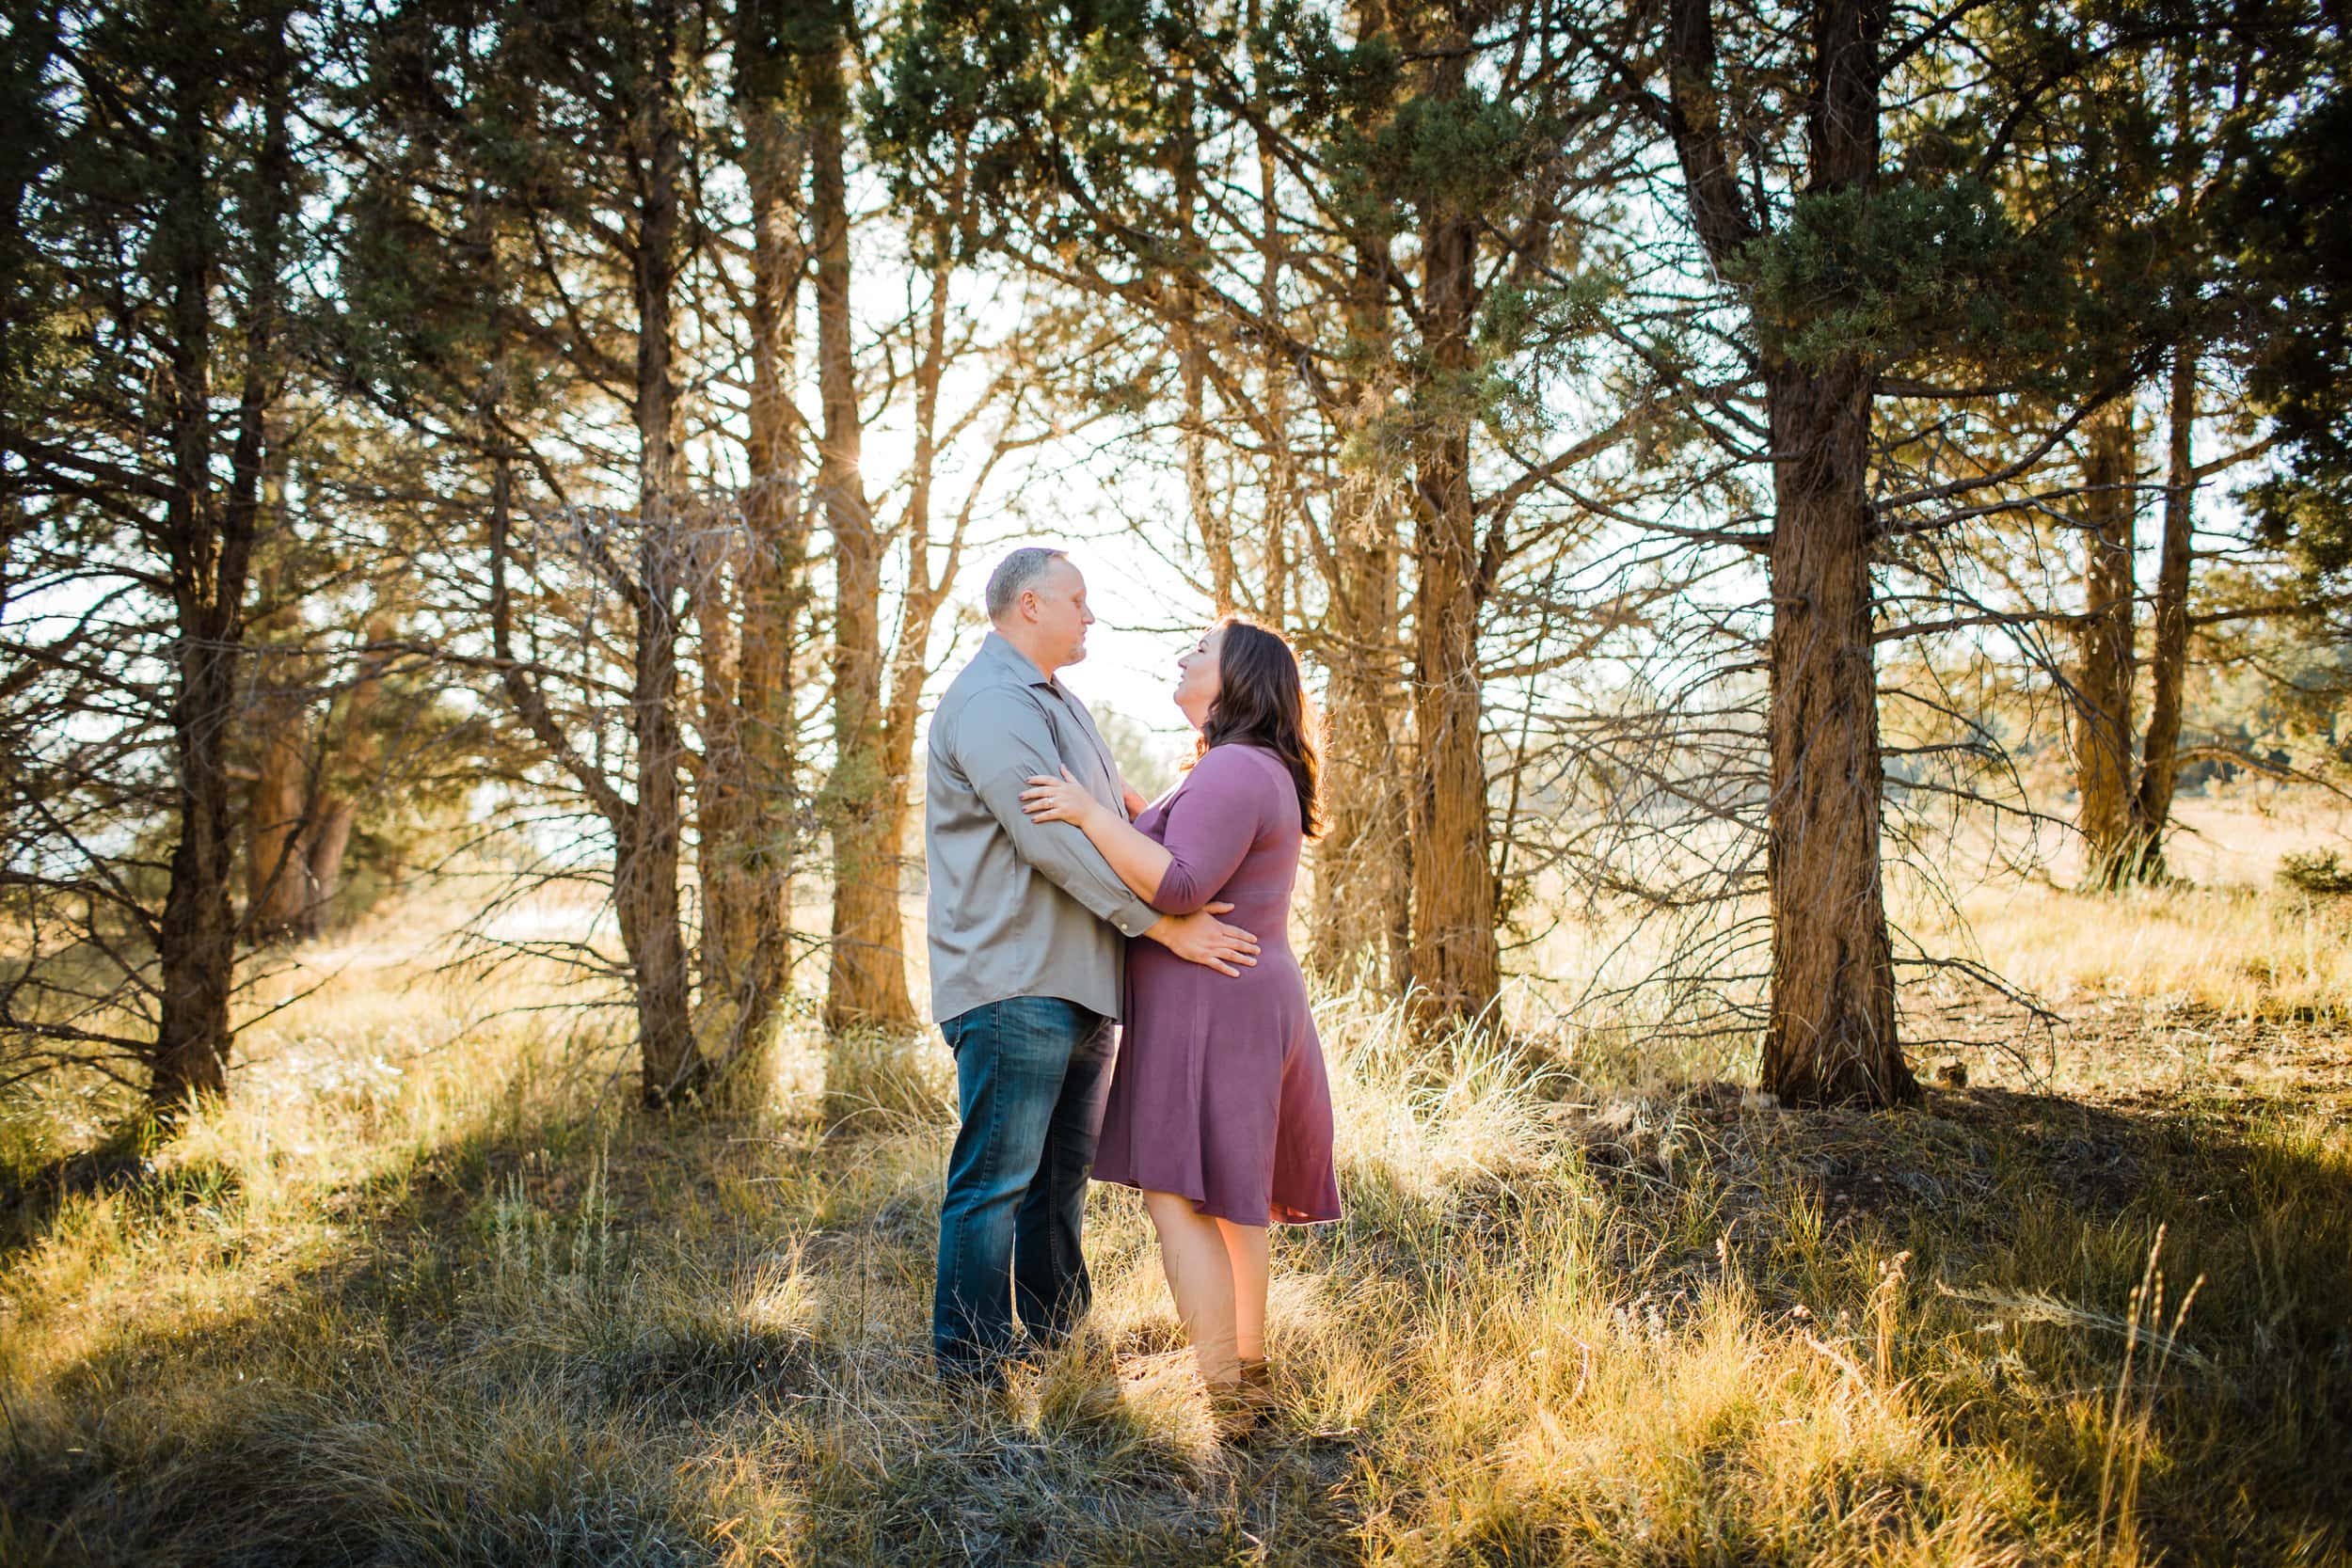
<point>1028,929</point>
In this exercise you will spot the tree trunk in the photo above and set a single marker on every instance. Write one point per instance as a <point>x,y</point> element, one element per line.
<point>1454,964</point>
<point>1830,1031</point>
<point>2152,801</point>
<point>278,876</point>
<point>1208,524</point>
<point>329,840</point>
<point>867,984</point>
<point>349,746</point>
<point>646,877</point>
<point>1281,465</point>
<point>209,546</point>
<point>276,717</point>
<point>918,607</point>
<point>2167,663</point>
<point>721,802</point>
<point>1360,918</point>
<point>2103,705</point>
<point>1362,914</point>
<point>754,827</point>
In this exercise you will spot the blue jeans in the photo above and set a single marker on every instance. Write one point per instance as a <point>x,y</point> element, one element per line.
<point>1031,1074</point>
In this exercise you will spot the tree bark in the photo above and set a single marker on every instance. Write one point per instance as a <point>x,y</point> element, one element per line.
<point>1454,965</point>
<point>208,543</point>
<point>918,607</point>
<point>1830,1032</point>
<point>348,748</point>
<point>2103,705</point>
<point>647,876</point>
<point>751,826</point>
<point>1362,916</point>
<point>867,984</point>
<point>722,799</point>
<point>1208,524</point>
<point>1281,465</point>
<point>278,881</point>
<point>329,842</point>
<point>2167,661</point>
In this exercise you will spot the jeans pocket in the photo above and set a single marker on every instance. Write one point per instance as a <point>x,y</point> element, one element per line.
<point>961,1027</point>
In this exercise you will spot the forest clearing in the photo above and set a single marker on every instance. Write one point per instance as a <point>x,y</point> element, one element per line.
<point>425,1291</point>
<point>1175,782</point>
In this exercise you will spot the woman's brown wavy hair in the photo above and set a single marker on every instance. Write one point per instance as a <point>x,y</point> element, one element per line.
<point>1261,702</point>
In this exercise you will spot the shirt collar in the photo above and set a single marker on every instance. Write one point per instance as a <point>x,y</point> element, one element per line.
<point>998,646</point>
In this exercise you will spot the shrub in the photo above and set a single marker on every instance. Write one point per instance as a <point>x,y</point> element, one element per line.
<point>2315,872</point>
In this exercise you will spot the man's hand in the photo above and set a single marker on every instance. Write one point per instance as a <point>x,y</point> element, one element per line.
<point>1201,938</point>
<point>1131,799</point>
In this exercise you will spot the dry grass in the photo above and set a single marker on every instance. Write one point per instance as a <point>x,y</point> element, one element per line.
<point>427,1293</point>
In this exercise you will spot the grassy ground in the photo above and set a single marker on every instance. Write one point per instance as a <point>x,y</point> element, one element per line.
<point>427,1293</point>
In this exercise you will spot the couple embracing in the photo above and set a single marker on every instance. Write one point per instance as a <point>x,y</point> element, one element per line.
<point>1115,981</point>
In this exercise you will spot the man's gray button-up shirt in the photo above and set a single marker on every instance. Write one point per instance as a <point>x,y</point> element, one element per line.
<point>1019,908</point>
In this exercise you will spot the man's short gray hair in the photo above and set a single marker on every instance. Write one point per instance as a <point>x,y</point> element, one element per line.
<point>1016,573</point>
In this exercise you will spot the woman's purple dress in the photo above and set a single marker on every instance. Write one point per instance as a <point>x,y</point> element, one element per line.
<point>1219,1092</point>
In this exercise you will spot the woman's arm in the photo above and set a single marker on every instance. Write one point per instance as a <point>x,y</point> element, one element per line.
<point>1210,824</point>
<point>1138,859</point>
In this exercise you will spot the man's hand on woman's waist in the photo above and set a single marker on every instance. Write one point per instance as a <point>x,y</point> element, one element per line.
<point>1201,938</point>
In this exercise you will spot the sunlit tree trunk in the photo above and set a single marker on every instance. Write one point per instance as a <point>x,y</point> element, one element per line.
<point>1209,519</point>
<point>722,801</point>
<point>276,872</point>
<point>750,806</point>
<point>1830,1032</point>
<point>926,594</point>
<point>867,984</point>
<point>1454,964</point>
<point>1282,464</point>
<point>346,750</point>
<point>1361,913</point>
<point>2101,711</point>
<point>2167,659</point>
<point>275,726</point>
<point>331,823</point>
<point>647,881</point>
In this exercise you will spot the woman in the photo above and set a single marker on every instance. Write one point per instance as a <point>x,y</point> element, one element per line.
<point>1218,1108</point>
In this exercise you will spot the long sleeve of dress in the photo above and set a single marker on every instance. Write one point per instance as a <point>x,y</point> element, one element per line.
<point>1210,824</point>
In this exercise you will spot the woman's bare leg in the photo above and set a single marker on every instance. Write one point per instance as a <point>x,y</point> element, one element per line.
<point>1245,1257</point>
<point>1200,1277</point>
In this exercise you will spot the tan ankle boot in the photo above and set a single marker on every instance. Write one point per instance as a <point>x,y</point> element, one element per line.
<point>1242,1406</point>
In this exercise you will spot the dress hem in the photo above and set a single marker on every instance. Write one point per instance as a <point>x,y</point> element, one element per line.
<point>1200,1205</point>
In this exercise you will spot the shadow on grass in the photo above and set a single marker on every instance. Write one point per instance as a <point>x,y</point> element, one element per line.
<point>594,1336</point>
<point>2025,1224</point>
<point>587,1338</point>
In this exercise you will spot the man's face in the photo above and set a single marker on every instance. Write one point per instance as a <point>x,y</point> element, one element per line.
<point>1059,612</point>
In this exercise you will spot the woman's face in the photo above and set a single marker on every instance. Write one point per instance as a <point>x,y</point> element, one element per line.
<point>1197,682</point>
